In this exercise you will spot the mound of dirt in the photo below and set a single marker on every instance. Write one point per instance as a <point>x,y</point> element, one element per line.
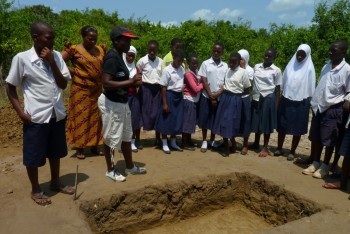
<point>10,127</point>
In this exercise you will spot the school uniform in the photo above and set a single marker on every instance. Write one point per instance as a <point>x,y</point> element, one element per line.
<point>192,92</point>
<point>150,90</point>
<point>228,117</point>
<point>298,85</point>
<point>133,97</point>
<point>172,122</point>
<point>327,102</point>
<point>43,101</point>
<point>264,115</point>
<point>244,129</point>
<point>215,74</point>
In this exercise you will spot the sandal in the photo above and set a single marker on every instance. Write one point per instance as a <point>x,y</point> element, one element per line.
<point>40,198</point>
<point>63,189</point>
<point>290,157</point>
<point>80,153</point>
<point>278,153</point>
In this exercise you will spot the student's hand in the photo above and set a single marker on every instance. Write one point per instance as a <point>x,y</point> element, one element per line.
<point>47,55</point>
<point>346,106</point>
<point>214,103</point>
<point>26,118</point>
<point>166,108</point>
<point>137,79</point>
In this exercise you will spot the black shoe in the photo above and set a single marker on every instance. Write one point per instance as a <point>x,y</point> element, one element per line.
<point>176,148</point>
<point>190,148</point>
<point>167,151</point>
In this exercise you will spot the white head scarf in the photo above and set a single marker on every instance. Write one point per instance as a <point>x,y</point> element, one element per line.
<point>131,66</point>
<point>245,56</point>
<point>299,77</point>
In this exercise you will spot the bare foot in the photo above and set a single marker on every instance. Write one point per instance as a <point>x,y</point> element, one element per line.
<point>335,185</point>
<point>244,150</point>
<point>264,152</point>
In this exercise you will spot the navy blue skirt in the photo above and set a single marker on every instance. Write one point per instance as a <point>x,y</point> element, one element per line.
<point>190,117</point>
<point>135,108</point>
<point>206,113</point>
<point>244,129</point>
<point>264,115</point>
<point>150,97</point>
<point>171,123</point>
<point>228,115</point>
<point>293,117</point>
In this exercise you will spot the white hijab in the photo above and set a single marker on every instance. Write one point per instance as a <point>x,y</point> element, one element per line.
<point>245,56</point>
<point>131,66</point>
<point>299,77</point>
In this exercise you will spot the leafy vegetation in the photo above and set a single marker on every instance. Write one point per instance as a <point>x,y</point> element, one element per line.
<point>330,22</point>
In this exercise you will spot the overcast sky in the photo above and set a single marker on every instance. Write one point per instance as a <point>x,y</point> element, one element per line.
<point>259,12</point>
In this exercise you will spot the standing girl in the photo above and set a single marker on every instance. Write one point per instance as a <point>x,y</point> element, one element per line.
<point>150,67</point>
<point>266,92</point>
<point>170,116</point>
<point>192,92</point>
<point>228,116</point>
<point>298,85</point>
<point>244,129</point>
<point>133,100</point>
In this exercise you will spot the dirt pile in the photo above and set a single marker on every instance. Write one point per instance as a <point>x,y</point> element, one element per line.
<point>10,127</point>
<point>153,206</point>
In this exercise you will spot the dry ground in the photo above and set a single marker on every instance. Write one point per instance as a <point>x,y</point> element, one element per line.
<point>20,214</point>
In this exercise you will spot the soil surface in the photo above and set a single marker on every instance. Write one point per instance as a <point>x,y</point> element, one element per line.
<point>20,214</point>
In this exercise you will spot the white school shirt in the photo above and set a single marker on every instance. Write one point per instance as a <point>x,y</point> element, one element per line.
<point>42,96</point>
<point>332,86</point>
<point>237,80</point>
<point>214,73</point>
<point>250,72</point>
<point>151,70</point>
<point>173,78</point>
<point>265,80</point>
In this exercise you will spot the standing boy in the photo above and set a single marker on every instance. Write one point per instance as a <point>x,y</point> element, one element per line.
<point>326,104</point>
<point>42,74</point>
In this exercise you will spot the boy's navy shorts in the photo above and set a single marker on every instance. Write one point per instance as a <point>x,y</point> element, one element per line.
<point>325,126</point>
<point>41,141</point>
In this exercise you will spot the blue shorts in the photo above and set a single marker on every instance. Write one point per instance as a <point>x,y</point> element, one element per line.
<point>41,141</point>
<point>325,126</point>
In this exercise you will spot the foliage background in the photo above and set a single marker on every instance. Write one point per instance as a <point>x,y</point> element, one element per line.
<point>330,22</point>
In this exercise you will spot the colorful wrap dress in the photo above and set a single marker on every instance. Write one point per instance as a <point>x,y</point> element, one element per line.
<point>84,124</point>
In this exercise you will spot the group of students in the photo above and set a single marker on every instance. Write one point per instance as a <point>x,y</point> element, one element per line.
<point>112,98</point>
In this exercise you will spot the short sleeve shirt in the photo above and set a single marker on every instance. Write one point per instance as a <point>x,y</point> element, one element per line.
<point>236,80</point>
<point>151,70</point>
<point>332,86</point>
<point>114,65</point>
<point>173,78</point>
<point>265,80</point>
<point>215,74</point>
<point>42,96</point>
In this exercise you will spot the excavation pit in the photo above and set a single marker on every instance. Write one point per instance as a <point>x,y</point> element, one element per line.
<point>233,203</point>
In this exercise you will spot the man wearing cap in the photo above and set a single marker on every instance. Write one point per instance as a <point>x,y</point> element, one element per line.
<point>113,104</point>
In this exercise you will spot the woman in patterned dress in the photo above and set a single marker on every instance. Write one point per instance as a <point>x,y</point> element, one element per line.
<point>84,125</point>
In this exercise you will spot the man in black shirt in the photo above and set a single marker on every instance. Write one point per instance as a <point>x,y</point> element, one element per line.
<point>116,115</point>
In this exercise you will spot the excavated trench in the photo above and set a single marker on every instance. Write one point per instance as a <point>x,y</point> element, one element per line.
<point>188,204</point>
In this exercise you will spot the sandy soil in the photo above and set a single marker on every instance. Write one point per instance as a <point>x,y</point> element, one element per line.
<point>20,214</point>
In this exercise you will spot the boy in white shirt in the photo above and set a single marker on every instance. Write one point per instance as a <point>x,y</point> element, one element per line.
<point>326,104</point>
<point>42,75</point>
